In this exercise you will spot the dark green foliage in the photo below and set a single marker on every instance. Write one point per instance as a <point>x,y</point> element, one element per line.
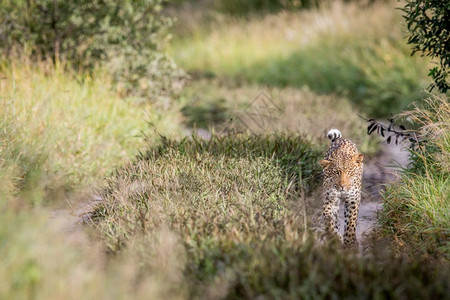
<point>128,37</point>
<point>237,7</point>
<point>428,24</point>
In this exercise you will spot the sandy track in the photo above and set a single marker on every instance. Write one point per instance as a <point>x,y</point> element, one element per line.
<point>377,172</point>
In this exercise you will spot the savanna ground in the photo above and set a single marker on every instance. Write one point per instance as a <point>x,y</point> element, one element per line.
<point>233,212</point>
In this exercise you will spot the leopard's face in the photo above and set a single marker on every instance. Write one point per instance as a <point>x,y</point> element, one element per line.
<point>342,166</point>
<point>341,174</point>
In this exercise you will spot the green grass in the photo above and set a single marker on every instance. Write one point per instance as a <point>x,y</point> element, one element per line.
<point>343,49</point>
<point>416,209</point>
<point>418,213</point>
<point>217,197</point>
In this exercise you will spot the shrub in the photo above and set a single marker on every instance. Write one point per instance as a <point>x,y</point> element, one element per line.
<point>128,37</point>
<point>428,26</point>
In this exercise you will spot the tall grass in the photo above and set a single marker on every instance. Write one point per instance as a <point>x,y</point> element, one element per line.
<point>356,52</point>
<point>66,125</point>
<point>416,209</point>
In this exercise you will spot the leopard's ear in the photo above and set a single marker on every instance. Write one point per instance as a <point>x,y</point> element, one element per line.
<point>358,158</point>
<point>323,163</point>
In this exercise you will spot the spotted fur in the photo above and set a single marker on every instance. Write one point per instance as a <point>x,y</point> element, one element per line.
<point>342,170</point>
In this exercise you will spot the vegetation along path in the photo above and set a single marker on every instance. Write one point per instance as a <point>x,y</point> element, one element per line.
<point>377,172</point>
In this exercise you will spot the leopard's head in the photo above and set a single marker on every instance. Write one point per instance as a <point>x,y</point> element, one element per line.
<point>341,170</point>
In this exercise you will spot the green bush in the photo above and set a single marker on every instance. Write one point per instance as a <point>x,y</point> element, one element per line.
<point>127,37</point>
<point>428,25</point>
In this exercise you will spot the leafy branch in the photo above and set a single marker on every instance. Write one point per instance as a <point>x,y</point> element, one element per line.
<point>393,132</point>
<point>428,25</point>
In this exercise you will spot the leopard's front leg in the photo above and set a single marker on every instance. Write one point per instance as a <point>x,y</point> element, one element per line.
<point>352,199</point>
<point>331,213</point>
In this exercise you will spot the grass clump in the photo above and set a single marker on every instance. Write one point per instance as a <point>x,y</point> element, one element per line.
<point>355,52</point>
<point>416,209</point>
<point>199,187</point>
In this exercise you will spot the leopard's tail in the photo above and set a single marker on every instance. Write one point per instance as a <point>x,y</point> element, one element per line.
<point>334,134</point>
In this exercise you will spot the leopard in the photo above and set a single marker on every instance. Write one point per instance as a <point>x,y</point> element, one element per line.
<point>342,178</point>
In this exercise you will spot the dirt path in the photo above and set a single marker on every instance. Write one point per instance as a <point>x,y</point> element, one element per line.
<point>70,219</point>
<point>377,172</point>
